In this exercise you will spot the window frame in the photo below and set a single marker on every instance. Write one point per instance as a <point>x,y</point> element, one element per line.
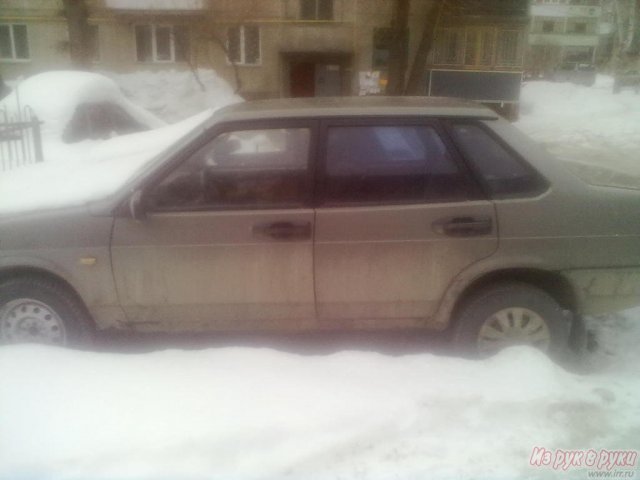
<point>542,183</point>
<point>14,58</point>
<point>470,183</point>
<point>154,51</point>
<point>316,16</point>
<point>242,62</point>
<point>167,168</point>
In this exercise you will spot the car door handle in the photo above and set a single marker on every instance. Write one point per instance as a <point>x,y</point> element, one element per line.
<point>463,226</point>
<point>283,230</point>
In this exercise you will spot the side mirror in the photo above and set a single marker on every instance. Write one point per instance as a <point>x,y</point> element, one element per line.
<point>136,206</point>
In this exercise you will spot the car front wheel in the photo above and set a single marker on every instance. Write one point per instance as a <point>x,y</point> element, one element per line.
<point>39,310</point>
<point>510,314</point>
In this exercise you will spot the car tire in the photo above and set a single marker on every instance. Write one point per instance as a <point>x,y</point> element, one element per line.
<point>40,310</point>
<point>509,314</point>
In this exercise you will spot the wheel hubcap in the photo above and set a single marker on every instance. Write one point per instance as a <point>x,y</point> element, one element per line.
<point>28,320</point>
<point>513,326</point>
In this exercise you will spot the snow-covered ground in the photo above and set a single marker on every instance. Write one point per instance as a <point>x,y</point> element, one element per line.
<point>252,413</point>
<point>248,413</point>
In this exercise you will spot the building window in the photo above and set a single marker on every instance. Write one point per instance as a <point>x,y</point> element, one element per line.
<point>162,43</point>
<point>449,46</point>
<point>510,49</point>
<point>14,44</point>
<point>580,28</point>
<point>316,9</point>
<point>547,26</point>
<point>243,45</point>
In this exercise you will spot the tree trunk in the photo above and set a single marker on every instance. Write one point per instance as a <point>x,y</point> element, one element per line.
<point>398,54</point>
<point>79,38</point>
<point>416,81</point>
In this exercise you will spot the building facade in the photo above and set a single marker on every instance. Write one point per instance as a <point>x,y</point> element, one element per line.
<point>270,48</point>
<point>568,31</point>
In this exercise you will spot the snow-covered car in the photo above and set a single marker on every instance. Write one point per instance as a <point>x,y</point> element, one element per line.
<point>75,106</point>
<point>349,213</point>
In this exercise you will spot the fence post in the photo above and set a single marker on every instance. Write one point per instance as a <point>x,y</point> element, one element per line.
<point>37,139</point>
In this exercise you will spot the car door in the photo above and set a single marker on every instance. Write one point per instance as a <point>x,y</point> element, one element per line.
<point>227,239</point>
<point>398,218</point>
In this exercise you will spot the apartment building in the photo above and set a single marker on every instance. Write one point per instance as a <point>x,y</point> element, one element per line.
<point>274,48</point>
<point>566,31</point>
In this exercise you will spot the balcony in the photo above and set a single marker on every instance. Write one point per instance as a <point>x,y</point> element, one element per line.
<point>157,5</point>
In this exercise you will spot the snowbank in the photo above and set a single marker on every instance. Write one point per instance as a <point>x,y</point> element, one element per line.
<point>95,170</point>
<point>174,95</point>
<point>586,126</point>
<point>76,173</point>
<point>239,413</point>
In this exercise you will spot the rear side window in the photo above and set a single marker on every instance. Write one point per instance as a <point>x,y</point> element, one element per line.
<point>397,164</point>
<point>502,171</point>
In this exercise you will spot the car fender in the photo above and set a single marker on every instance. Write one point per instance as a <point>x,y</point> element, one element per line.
<point>488,266</point>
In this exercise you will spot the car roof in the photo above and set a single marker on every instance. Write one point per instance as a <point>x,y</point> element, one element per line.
<point>318,107</point>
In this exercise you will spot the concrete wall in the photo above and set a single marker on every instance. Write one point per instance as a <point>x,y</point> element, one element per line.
<point>46,33</point>
<point>347,39</point>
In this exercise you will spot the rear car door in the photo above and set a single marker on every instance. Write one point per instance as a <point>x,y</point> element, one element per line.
<point>227,239</point>
<point>398,218</point>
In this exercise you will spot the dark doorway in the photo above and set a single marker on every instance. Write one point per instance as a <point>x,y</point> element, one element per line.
<point>313,74</point>
<point>303,79</point>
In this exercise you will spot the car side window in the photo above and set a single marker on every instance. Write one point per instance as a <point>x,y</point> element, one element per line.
<point>396,164</point>
<point>502,171</point>
<point>240,170</point>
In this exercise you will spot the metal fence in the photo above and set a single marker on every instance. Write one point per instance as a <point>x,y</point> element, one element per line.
<point>20,139</point>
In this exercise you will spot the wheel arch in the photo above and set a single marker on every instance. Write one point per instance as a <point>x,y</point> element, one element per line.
<point>44,273</point>
<point>550,282</point>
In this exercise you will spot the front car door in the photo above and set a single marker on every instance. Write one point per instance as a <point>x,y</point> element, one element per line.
<point>399,218</point>
<point>227,239</point>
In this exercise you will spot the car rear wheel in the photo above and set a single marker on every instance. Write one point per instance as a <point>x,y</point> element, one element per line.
<point>510,314</point>
<point>39,310</point>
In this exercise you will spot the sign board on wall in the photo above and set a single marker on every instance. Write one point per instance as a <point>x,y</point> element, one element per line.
<point>475,85</point>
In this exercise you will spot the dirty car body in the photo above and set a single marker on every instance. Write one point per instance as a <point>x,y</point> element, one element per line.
<point>369,213</point>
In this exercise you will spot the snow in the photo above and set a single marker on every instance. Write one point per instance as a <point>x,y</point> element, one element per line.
<point>91,170</point>
<point>259,413</point>
<point>76,173</point>
<point>54,96</point>
<point>249,413</point>
<point>175,95</point>
<point>595,132</point>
